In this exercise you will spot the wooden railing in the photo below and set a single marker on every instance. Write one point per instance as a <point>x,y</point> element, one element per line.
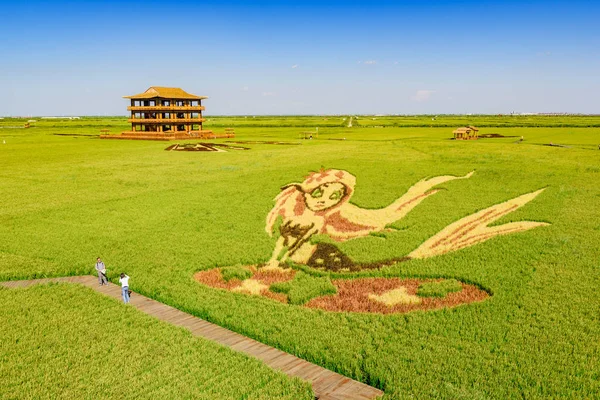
<point>204,134</point>
<point>165,108</point>
<point>166,121</point>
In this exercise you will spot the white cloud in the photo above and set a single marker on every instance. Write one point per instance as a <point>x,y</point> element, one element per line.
<point>295,66</point>
<point>422,95</point>
<point>371,62</point>
<point>245,89</point>
<point>266,94</point>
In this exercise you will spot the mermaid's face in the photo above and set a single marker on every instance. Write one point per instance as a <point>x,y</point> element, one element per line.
<point>325,196</point>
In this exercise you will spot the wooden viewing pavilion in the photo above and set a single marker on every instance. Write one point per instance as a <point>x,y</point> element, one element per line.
<point>163,113</point>
<point>466,133</point>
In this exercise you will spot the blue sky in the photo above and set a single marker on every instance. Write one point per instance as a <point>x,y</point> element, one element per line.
<point>310,57</point>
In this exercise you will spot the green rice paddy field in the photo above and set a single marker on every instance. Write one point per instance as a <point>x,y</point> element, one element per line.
<point>68,197</point>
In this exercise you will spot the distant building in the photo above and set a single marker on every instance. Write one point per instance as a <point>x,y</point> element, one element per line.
<point>59,117</point>
<point>466,133</point>
<point>162,113</point>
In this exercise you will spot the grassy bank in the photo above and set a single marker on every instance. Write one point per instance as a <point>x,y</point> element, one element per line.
<point>65,341</point>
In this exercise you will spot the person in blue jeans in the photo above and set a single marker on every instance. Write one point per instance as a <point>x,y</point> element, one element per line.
<point>124,281</point>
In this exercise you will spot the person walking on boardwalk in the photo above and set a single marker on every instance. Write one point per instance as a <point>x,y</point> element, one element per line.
<point>101,269</point>
<point>124,280</point>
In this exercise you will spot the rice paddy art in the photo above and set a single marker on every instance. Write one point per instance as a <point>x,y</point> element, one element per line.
<point>364,295</point>
<point>475,228</point>
<point>219,147</point>
<point>320,205</point>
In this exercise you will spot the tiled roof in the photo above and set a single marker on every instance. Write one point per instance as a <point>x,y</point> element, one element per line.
<point>165,93</point>
<point>465,129</point>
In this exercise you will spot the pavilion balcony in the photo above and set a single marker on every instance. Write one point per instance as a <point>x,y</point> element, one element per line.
<point>166,121</point>
<point>165,108</point>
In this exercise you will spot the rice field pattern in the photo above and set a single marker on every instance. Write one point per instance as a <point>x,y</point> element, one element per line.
<point>320,206</point>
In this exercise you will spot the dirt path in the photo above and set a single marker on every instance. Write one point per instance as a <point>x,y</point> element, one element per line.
<point>326,384</point>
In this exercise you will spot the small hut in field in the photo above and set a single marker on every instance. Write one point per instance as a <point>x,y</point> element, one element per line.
<point>466,133</point>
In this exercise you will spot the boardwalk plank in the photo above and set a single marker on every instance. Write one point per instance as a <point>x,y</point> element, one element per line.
<point>270,355</point>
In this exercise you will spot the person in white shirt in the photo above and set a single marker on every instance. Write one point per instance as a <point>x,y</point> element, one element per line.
<point>124,281</point>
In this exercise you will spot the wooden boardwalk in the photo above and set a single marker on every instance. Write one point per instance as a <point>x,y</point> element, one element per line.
<point>327,385</point>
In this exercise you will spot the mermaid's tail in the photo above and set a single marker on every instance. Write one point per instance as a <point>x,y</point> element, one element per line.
<point>474,228</point>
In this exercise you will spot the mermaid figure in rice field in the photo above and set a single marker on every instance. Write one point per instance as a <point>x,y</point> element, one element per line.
<point>321,205</point>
